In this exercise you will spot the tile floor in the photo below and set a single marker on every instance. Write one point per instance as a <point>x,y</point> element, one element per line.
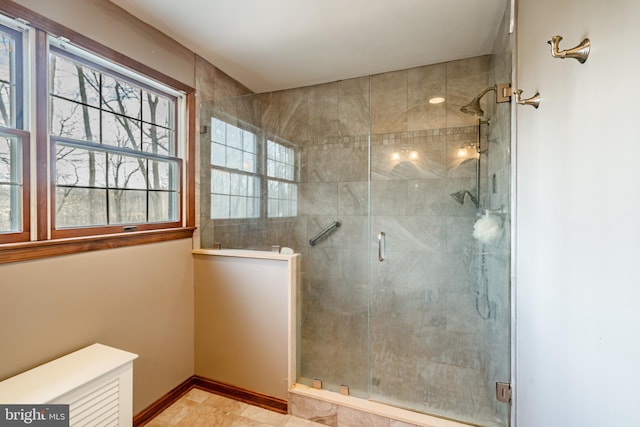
<point>201,408</point>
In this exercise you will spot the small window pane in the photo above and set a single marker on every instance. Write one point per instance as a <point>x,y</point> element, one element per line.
<point>234,158</point>
<point>253,186</point>
<point>249,162</point>
<point>80,167</point>
<point>80,207</point>
<point>127,206</point>
<point>10,208</point>
<point>75,121</point>
<point>219,206</point>
<point>238,185</point>
<point>10,160</point>
<point>157,140</point>
<point>271,150</point>
<point>238,207</point>
<point>121,97</point>
<point>249,140</point>
<point>220,182</point>
<point>7,49</point>
<point>74,81</point>
<point>163,206</point>
<point>219,131</point>
<point>156,109</point>
<point>234,137</point>
<point>7,81</point>
<point>127,172</point>
<point>120,131</point>
<point>163,175</point>
<point>218,155</point>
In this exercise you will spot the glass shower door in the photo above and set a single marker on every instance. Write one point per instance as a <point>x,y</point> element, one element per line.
<point>439,315</point>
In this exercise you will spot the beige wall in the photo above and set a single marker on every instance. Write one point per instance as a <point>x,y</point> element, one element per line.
<point>110,25</point>
<point>138,299</point>
<point>241,309</point>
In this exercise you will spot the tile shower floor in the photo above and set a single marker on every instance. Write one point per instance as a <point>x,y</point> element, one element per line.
<point>201,408</point>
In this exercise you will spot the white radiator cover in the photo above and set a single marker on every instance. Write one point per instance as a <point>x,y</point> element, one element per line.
<point>96,382</point>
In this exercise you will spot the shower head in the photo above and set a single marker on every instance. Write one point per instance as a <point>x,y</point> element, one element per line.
<point>473,107</point>
<point>459,197</point>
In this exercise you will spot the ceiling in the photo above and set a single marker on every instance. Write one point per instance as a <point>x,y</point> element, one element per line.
<point>279,44</point>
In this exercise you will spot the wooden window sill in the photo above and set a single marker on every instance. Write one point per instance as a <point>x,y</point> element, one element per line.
<point>14,252</point>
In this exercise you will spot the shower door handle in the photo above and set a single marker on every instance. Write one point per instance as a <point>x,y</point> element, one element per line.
<point>381,246</point>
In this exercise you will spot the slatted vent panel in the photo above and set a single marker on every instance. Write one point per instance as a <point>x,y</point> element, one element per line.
<point>98,407</point>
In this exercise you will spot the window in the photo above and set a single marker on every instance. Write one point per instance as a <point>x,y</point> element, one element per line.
<point>14,141</point>
<point>106,151</point>
<point>235,183</point>
<point>243,170</point>
<point>283,192</point>
<point>114,146</point>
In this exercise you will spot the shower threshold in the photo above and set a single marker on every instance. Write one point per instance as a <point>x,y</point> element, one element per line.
<point>363,405</point>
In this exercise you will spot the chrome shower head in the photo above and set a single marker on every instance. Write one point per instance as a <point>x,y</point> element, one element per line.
<point>473,107</point>
<point>459,197</point>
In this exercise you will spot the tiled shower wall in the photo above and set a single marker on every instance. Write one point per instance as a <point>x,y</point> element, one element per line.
<point>416,312</point>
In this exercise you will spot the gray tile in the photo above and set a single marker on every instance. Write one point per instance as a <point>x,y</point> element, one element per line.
<point>353,198</point>
<point>323,111</point>
<point>425,83</point>
<point>353,106</point>
<point>389,102</point>
<point>318,198</point>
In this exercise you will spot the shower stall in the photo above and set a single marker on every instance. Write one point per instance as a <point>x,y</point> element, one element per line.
<point>380,183</point>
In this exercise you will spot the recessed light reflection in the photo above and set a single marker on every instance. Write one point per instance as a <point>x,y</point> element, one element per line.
<point>436,100</point>
<point>395,156</point>
<point>413,155</point>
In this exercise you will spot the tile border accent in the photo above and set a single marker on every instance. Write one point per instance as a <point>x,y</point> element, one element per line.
<point>222,389</point>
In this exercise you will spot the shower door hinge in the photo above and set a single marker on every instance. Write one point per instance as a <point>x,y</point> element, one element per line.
<point>503,92</point>
<point>503,392</point>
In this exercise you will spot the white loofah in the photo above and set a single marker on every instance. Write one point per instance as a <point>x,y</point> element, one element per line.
<point>487,229</point>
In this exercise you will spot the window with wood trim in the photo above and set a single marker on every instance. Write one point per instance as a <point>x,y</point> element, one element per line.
<point>115,163</point>
<point>93,144</point>
<point>14,140</point>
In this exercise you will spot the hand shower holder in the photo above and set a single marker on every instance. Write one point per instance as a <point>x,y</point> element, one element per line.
<point>580,52</point>
<point>497,212</point>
